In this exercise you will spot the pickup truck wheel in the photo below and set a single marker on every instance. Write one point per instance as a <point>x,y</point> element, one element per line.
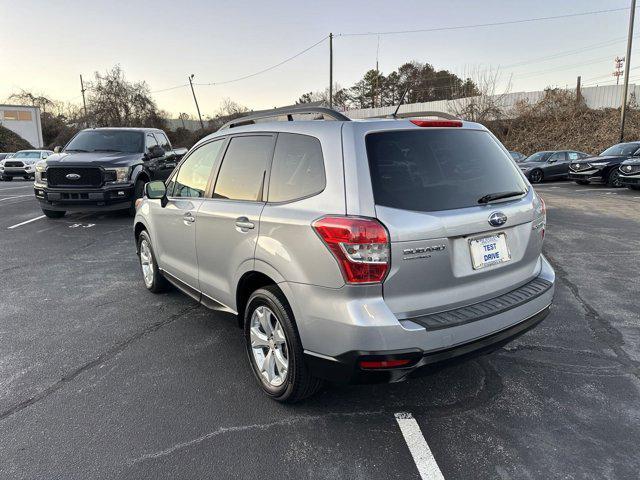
<point>138,192</point>
<point>53,213</point>
<point>274,348</point>
<point>153,279</point>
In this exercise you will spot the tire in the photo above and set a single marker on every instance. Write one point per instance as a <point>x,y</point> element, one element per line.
<point>536,176</point>
<point>282,341</point>
<point>151,276</point>
<point>138,192</point>
<point>583,182</point>
<point>53,213</point>
<point>613,179</point>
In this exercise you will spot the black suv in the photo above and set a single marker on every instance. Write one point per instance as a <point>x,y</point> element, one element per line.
<point>603,168</point>
<point>103,169</point>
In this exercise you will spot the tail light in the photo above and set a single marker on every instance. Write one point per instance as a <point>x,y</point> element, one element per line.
<point>360,245</point>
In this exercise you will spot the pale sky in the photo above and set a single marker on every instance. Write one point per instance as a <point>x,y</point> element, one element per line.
<point>45,44</point>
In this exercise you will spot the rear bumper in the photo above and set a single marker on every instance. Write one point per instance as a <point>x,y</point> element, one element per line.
<point>112,197</point>
<point>345,368</point>
<point>338,328</point>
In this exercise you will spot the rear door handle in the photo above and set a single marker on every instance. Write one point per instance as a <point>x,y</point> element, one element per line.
<point>188,218</point>
<point>243,222</point>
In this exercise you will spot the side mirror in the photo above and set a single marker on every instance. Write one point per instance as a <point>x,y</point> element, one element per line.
<point>155,152</point>
<point>58,149</point>
<point>156,190</point>
<point>553,160</point>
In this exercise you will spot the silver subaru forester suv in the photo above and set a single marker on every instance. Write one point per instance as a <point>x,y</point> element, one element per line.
<point>351,251</point>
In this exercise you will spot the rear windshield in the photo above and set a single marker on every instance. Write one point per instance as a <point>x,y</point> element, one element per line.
<point>431,170</point>
<point>125,141</point>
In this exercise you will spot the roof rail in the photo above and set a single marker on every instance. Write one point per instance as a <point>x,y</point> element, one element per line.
<point>289,112</point>
<point>445,115</point>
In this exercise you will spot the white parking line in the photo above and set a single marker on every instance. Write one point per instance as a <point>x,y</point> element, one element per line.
<point>14,196</point>
<point>420,451</point>
<point>24,223</point>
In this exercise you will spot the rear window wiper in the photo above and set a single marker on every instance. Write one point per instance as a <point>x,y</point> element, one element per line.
<point>499,195</point>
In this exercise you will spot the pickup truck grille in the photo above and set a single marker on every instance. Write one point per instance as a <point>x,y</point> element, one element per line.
<point>74,177</point>
<point>13,163</point>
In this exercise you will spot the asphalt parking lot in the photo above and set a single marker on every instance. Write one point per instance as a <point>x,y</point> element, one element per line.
<point>101,379</point>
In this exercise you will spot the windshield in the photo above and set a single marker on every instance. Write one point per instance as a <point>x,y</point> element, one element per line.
<point>431,170</point>
<point>621,149</point>
<point>107,141</point>
<point>27,155</point>
<point>538,157</point>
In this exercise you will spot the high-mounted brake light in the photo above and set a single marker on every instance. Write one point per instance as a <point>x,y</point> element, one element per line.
<point>437,123</point>
<point>360,245</point>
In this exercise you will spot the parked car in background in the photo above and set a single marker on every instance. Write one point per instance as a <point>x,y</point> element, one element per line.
<point>22,164</point>
<point>604,168</point>
<point>104,169</point>
<point>549,164</point>
<point>350,251</point>
<point>5,155</point>
<point>630,174</point>
<point>517,156</point>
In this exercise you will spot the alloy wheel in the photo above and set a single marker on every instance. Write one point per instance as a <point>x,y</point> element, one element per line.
<point>269,346</point>
<point>146,262</point>
<point>536,176</point>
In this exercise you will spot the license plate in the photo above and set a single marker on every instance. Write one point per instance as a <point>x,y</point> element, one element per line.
<point>487,251</point>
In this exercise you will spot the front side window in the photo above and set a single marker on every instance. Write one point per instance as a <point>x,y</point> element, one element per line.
<point>558,157</point>
<point>125,141</point>
<point>244,167</point>
<point>440,169</point>
<point>151,141</point>
<point>162,141</point>
<point>194,173</point>
<point>298,168</point>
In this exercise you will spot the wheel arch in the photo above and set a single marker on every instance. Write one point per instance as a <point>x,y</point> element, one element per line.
<point>137,230</point>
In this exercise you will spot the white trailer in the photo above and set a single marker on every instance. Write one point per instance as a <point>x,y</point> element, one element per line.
<point>24,121</point>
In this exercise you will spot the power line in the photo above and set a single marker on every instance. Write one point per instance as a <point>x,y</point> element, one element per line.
<point>244,77</point>
<point>480,25</point>
<point>170,88</point>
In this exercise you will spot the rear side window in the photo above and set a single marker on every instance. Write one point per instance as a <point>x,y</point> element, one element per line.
<point>431,170</point>
<point>244,167</point>
<point>298,168</point>
<point>194,173</point>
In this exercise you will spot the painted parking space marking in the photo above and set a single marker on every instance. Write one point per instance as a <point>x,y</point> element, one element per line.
<point>14,196</point>
<point>420,451</point>
<point>24,223</point>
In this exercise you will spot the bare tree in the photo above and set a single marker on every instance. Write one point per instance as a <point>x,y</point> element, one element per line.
<point>488,103</point>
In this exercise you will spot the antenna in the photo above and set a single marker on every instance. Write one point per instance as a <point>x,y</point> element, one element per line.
<point>395,114</point>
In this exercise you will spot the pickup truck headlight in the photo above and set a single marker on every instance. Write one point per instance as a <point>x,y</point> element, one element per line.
<point>121,174</point>
<point>40,168</point>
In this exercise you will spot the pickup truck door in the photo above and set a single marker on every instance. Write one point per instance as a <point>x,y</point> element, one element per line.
<point>170,159</point>
<point>176,223</point>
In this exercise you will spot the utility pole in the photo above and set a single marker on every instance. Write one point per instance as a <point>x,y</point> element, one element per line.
<point>627,64</point>
<point>579,90</point>
<point>331,70</point>
<point>618,62</point>
<point>195,100</point>
<point>84,102</point>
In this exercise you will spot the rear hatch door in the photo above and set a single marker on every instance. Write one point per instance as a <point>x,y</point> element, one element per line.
<point>454,242</point>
